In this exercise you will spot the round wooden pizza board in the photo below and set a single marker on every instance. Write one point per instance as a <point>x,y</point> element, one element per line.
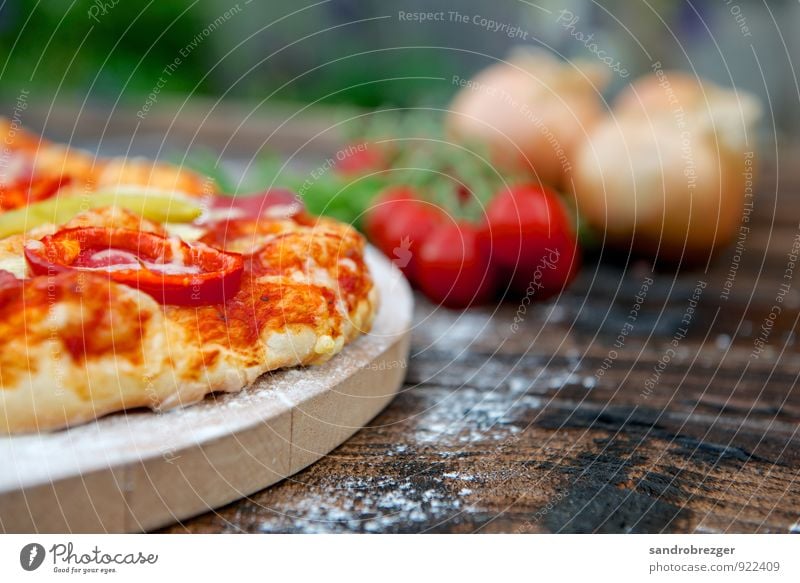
<point>141,470</point>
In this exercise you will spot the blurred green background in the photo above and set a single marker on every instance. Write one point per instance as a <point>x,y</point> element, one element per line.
<point>364,53</point>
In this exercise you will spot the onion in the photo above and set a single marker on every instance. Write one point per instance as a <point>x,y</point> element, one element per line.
<point>668,171</point>
<point>531,111</point>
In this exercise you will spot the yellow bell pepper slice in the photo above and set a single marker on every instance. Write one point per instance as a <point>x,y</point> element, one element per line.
<point>61,209</point>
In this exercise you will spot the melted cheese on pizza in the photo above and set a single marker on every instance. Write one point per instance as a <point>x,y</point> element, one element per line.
<point>77,345</point>
<point>32,159</point>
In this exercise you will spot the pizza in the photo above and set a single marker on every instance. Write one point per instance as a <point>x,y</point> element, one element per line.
<point>126,283</point>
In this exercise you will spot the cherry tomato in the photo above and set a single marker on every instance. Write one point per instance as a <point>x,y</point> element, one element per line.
<point>381,210</point>
<point>398,224</point>
<point>532,240</point>
<point>358,159</point>
<point>454,268</point>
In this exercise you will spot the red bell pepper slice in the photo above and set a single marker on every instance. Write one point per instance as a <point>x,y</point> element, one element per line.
<point>170,270</point>
<point>29,190</point>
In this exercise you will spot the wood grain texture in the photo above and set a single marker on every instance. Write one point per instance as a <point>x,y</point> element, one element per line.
<point>502,432</point>
<point>551,428</point>
<point>141,470</point>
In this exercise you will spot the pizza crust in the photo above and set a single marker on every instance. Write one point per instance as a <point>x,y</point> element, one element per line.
<point>77,346</point>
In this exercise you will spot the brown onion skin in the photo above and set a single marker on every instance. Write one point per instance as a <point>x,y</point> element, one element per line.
<point>666,186</point>
<point>531,111</point>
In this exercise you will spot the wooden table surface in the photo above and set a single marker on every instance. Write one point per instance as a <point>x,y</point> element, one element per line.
<point>679,421</point>
<point>636,402</point>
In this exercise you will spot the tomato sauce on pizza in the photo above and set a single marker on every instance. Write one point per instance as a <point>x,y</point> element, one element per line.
<point>127,283</point>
